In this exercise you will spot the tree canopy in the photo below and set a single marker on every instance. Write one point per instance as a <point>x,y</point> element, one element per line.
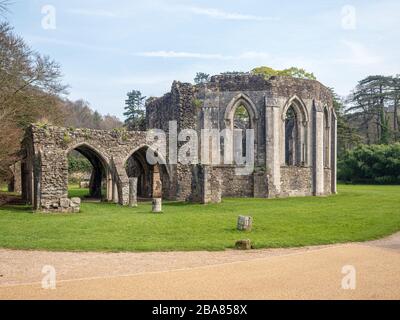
<point>201,77</point>
<point>295,72</point>
<point>30,88</point>
<point>135,110</point>
<point>374,103</point>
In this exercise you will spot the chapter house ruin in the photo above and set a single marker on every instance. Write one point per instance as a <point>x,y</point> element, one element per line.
<point>294,127</point>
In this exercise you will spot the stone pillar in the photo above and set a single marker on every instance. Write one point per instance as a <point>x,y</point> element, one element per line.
<point>318,151</point>
<point>157,205</point>
<point>211,185</point>
<point>122,181</point>
<point>109,187</point>
<point>124,200</point>
<point>272,145</point>
<point>114,192</point>
<point>334,153</point>
<point>157,185</point>
<point>133,192</point>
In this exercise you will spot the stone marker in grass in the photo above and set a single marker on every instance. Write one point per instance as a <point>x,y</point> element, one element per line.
<point>244,223</point>
<point>156,205</point>
<point>243,244</point>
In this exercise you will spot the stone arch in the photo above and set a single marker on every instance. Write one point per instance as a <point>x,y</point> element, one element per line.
<point>300,124</point>
<point>300,108</point>
<point>101,173</point>
<point>86,145</point>
<point>241,99</point>
<point>146,146</point>
<point>154,180</point>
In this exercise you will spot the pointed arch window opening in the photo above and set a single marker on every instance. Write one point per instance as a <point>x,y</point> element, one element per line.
<point>291,138</point>
<point>241,114</point>
<point>241,121</point>
<point>326,139</point>
<point>294,130</point>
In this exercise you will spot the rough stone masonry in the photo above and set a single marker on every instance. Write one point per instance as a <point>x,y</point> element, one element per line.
<point>295,129</point>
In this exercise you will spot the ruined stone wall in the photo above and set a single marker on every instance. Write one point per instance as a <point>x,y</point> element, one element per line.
<point>296,181</point>
<point>206,106</point>
<point>178,105</point>
<point>211,106</point>
<point>159,111</point>
<point>305,89</point>
<point>49,159</point>
<point>234,185</point>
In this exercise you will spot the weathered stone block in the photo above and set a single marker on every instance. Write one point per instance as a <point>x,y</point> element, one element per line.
<point>76,201</point>
<point>156,205</point>
<point>65,203</point>
<point>244,223</point>
<point>84,184</point>
<point>243,244</point>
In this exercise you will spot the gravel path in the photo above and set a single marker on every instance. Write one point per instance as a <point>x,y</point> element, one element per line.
<point>99,275</point>
<point>21,266</point>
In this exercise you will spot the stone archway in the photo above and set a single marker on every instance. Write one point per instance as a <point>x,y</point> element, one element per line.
<point>153,179</point>
<point>294,114</point>
<point>241,101</point>
<point>100,174</point>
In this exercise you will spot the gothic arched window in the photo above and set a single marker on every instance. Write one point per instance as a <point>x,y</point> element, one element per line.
<point>241,121</point>
<point>291,138</point>
<point>326,136</point>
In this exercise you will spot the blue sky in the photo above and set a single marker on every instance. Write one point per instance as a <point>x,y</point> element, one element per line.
<point>107,48</point>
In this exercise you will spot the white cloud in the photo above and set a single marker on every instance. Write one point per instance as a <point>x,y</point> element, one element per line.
<point>94,12</point>
<point>150,54</point>
<point>209,12</point>
<point>220,14</point>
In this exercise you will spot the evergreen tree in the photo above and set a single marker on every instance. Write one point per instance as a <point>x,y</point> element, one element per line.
<point>97,120</point>
<point>135,111</point>
<point>347,137</point>
<point>201,77</point>
<point>370,102</point>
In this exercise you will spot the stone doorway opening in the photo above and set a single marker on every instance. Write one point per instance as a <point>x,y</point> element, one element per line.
<point>150,177</point>
<point>87,174</point>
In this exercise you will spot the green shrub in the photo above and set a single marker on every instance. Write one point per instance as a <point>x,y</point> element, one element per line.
<point>376,164</point>
<point>79,164</point>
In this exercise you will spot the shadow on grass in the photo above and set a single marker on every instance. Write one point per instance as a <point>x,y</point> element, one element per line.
<point>14,208</point>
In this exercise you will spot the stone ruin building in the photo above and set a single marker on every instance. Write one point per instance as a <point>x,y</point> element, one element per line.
<point>295,146</point>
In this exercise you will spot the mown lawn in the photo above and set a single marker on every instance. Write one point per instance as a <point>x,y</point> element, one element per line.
<point>357,213</point>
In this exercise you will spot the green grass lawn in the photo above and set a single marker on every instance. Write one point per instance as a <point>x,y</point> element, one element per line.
<point>356,213</point>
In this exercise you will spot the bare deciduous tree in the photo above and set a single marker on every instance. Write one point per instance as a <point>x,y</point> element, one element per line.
<point>29,89</point>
